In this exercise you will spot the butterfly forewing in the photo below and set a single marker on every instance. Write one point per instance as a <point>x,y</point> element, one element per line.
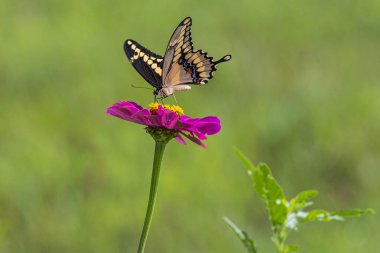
<point>179,42</point>
<point>148,64</point>
<point>182,65</point>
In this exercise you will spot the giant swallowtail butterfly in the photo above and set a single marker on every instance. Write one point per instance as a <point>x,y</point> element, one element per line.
<point>181,65</point>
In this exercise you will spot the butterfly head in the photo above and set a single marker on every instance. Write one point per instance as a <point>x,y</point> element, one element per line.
<point>162,92</point>
<point>156,92</point>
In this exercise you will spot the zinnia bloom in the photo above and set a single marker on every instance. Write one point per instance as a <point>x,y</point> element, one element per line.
<point>165,121</point>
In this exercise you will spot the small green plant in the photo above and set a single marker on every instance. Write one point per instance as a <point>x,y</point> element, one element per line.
<point>284,215</point>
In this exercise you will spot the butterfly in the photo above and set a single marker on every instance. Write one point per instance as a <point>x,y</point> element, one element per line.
<point>181,65</point>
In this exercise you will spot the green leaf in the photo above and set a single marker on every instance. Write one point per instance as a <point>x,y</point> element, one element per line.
<point>272,194</point>
<point>291,248</point>
<point>244,159</point>
<point>267,188</point>
<point>305,196</point>
<point>243,236</point>
<point>260,183</point>
<point>353,213</point>
<point>302,200</point>
<point>319,215</point>
<point>322,215</point>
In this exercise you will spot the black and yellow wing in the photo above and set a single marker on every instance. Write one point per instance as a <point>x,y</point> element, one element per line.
<point>148,64</point>
<point>183,65</point>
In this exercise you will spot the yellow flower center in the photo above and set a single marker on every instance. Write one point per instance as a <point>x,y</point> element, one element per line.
<point>174,108</point>
<point>177,109</point>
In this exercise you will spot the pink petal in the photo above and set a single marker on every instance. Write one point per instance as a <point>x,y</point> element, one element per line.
<point>208,125</point>
<point>171,120</point>
<point>180,140</point>
<point>194,139</point>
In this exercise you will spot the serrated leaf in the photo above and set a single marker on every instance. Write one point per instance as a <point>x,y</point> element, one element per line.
<point>243,236</point>
<point>268,189</point>
<point>272,194</point>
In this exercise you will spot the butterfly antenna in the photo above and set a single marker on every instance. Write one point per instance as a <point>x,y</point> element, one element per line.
<point>223,59</point>
<point>140,87</point>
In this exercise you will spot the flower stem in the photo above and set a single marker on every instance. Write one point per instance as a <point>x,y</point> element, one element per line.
<point>158,154</point>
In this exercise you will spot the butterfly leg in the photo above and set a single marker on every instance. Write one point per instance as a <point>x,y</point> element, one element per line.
<point>175,99</point>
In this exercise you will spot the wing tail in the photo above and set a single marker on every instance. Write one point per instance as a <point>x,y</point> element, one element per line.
<point>223,59</point>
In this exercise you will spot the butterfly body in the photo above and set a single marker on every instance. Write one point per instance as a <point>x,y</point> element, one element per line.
<point>181,65</point>
<point>165,92</point>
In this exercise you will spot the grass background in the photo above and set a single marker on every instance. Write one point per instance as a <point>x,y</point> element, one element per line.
<point>301,94</point>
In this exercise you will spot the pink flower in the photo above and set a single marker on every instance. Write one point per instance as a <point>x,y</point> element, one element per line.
<point>167,120</point>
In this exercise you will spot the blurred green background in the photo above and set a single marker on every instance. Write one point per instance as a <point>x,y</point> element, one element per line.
<point>301,93</point>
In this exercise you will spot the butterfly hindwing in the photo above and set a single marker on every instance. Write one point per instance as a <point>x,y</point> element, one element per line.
<point>200,65</point>
<point>182,65</point>
<point>148,64</point>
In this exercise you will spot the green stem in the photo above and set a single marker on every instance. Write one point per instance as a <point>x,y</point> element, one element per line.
<point>158,154</point>
<point>279,238</point>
